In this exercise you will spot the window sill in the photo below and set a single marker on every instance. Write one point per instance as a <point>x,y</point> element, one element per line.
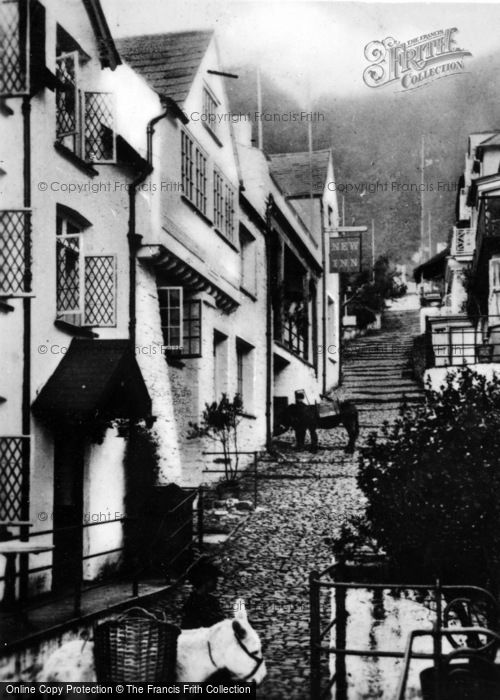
<point>81,164</point>
<point>213,134</point>
<point>197,211</point>
<point>251,295</point>
<point>226,239</point>
<point>78,331</point>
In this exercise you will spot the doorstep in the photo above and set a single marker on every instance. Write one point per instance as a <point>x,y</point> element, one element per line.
<point>39,621</point>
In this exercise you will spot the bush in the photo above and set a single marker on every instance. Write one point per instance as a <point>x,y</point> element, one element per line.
<point>432,481</point>
<point>219,422</point>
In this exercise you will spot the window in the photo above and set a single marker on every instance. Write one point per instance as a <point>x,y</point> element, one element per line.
<point>248,261</point>
<point>15,258</point>
<point>69,267</point>
<point>180,322</point>
<point>220,365</point>
<point>495,274</point>
<point>194,173</point>
<point>84,119</point>
<point>192,328</point>
<point>245,373</point>
<point>170,299</point>
<point>22,41</point>
<point>223,206</point>
<point>85,284</point>
<point>210,107</point>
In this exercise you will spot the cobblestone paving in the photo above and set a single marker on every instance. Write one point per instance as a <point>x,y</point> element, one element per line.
<point>303,500</point>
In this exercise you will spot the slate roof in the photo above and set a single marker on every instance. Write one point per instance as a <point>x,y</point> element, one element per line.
<point>90,377</point>
<point>167,61</point>
<point>292,172</point>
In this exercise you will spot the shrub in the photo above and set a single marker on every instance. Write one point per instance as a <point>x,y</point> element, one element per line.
<point>432,481</point>
<point>219,422</point>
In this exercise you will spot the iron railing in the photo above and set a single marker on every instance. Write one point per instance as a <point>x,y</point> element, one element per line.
<point>463,242</point>
<point>78,586</point>
<point>321,649</point>
<point>460,340</point>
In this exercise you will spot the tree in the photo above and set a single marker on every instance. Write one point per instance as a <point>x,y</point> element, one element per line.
<point>220,422</point>
<point>371,290</point>
<point>432,481</point>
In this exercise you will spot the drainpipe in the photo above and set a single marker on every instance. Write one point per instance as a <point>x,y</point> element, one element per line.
<point>134,239</point>
<point>269,334</point>
<point>324,304</point>
<point>26,385</point>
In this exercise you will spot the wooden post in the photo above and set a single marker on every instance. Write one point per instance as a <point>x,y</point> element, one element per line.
<point>315,635</point>
<point>340,630</point>
<point>200,517</point>
<point>255,479</point>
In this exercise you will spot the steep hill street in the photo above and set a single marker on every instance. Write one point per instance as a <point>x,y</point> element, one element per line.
<point>303,500</point>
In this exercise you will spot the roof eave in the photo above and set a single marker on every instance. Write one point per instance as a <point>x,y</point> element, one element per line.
<point>108,53</point>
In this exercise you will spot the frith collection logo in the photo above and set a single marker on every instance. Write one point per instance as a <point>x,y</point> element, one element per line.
<point>414,63</point>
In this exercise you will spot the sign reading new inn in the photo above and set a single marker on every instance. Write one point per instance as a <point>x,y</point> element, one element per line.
<point>345,254</point>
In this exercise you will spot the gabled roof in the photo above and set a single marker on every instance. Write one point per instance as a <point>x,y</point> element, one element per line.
<point>95,378</point>
<point>167,61</point>
<point>292,172</point>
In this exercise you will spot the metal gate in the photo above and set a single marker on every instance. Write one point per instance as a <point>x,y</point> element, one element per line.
<point>446,598</point>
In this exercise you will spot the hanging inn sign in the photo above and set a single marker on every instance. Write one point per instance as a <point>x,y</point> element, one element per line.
<point>345,250</point>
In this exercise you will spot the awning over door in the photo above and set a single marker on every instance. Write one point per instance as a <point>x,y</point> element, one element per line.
<point>95,380</point>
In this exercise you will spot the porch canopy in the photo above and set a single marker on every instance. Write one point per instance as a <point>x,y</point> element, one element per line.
<point>432,268</point>
<point>95,380</point>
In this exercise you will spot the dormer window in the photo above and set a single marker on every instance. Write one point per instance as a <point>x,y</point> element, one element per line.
<point>84,119</point>
<point>210,110</point>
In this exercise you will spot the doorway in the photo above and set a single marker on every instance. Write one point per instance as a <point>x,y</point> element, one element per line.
<point>68,511</point>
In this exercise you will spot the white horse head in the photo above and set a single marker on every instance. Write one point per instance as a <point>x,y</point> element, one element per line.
<point>240,646</point>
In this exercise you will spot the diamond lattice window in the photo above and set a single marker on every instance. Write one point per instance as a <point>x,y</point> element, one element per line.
<point>100,290</point>
<point>13,47</point>
<point>67,113</point>
<point>99,132</point>
<point>14,251</point>
<point>69,273</point>
<point>11,477</point>
<point>84,120</point>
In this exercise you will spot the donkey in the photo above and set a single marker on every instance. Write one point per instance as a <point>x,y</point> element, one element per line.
<point>232,645</point>
<point>302,417</point>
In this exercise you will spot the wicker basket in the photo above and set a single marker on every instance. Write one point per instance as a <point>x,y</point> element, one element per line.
<point>136,647</point>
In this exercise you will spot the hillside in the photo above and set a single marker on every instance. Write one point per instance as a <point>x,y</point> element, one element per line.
<point>376,138</point>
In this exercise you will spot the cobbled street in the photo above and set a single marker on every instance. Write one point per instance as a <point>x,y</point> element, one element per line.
<point>303,500</point>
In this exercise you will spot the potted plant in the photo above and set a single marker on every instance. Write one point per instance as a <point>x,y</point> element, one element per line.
<point>219,422</point>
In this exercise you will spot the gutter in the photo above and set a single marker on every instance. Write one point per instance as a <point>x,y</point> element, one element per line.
<point>323,294</point>
<point>134,239</point>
